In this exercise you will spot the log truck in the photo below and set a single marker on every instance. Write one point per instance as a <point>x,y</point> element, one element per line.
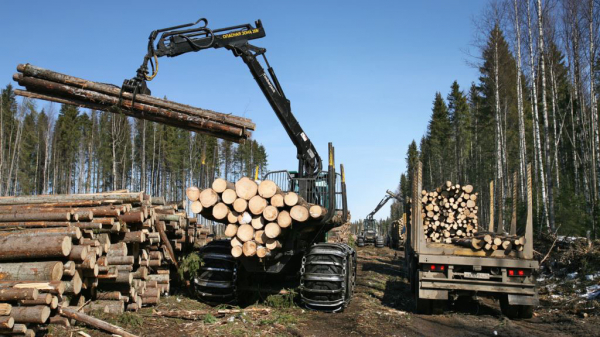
<point>439,272</point>
<point>323,272</point>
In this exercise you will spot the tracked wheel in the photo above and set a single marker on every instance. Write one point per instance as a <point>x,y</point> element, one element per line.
<point>360,242</point>
<point>215,283</point>
<point>379,242</point>
<point>328,277</point>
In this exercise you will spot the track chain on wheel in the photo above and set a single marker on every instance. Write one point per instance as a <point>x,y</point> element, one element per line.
<point>215,283</point>
<point>328,277</point>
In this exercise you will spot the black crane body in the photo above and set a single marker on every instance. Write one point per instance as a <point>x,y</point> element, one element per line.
<point>223,279</point>
<point>370,233</point>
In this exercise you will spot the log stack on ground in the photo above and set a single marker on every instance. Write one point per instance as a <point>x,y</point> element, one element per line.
<point>257,215</point>
<point>55,87</point>
<point>114,248</point>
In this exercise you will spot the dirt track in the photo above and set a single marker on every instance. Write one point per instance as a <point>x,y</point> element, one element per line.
<point>382,306</point>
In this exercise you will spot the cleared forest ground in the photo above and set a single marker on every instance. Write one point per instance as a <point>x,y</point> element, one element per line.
<point>382,306</point>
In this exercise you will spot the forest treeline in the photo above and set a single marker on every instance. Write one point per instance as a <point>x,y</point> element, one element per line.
<point>535,102</point>
<point>48,148</point>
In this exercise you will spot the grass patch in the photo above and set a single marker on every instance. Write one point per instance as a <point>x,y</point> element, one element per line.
<point>130,319</point>
<point>284,301</point>
<point>280,318</point>
<point>189,266</point>
<point>209,319</point>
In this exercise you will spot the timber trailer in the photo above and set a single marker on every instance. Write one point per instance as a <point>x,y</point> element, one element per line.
<point>323,272</point>
<point>370,233</point>
<point>439,272</point>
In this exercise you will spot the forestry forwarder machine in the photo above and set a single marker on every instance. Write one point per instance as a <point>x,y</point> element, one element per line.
<point>323,272</point>
<point>371,233</point>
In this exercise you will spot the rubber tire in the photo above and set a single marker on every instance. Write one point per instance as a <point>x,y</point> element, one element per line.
<point>526,311</point>
<point>510,311</point>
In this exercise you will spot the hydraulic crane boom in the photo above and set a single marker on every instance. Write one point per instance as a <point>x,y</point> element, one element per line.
<point>182,39</point>
<point>382,203</point>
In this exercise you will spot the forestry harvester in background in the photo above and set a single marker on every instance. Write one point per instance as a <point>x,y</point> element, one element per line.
<point>371,233</point>
<point>324,272</point>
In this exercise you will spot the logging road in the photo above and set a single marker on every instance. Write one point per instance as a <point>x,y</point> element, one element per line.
<point>382,306</point>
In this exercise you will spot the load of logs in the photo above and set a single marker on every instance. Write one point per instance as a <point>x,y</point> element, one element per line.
<point>257,214</point>
<point>450,216</point>
<point>56,87</point>
<point>61,252</point>
<point>449,211</point>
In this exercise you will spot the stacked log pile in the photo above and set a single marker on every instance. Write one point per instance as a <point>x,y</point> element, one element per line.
<point>57,251</point>
<point>56,87</point>
<point>258,216</point>
<point>450,216</point>
<point>449,212</point>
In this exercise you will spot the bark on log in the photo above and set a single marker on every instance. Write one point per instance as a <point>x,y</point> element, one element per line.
<point>6,322</point>
<point>40,299</point>
<point>37,72</point>
<point>53,287</point>
<point>96,100</point>
<point>72,232</point>
<point>5,309</point>
<point>15,294</point>
<point>73,314</point>
<point>31,271</point>
<point>15,217</point>
<point>40,199</point>
<point>36,314</point>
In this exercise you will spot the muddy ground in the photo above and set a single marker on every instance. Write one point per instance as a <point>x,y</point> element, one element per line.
<point>382,306</point>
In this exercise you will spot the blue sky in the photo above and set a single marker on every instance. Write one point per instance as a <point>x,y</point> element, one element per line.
<point>361,74</point>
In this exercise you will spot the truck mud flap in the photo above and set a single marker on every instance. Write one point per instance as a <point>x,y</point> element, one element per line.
<point>523,300</point>
<point>433,294</point>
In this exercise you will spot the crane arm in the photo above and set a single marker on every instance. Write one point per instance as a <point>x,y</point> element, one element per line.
<point>193,37</point>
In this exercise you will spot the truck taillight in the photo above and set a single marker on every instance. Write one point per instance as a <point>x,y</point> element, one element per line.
<point>437,267</point>
<point>516,272</point>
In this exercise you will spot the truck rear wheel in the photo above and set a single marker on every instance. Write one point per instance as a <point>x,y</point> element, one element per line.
<point>327,277</point>
<point>515,311</point>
